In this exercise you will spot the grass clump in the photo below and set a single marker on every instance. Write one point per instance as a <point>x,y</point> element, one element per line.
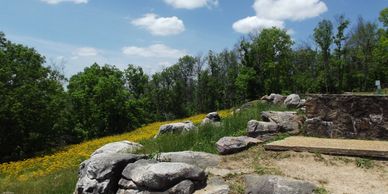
<point>320,190</point>
<point>364,163</point>
<point>206,136</point>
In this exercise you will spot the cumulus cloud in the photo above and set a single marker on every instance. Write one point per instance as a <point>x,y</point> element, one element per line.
<point>53,2</point>
<point>160,26</point>
<point>295,10</point>
<point>273,13</point>
<point>250,24</point>
<point>191,4</point>
<point>155,50</point>
<point>85,52</point>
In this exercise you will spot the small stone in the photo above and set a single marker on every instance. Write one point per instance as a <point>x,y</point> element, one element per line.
<point>230,145</point>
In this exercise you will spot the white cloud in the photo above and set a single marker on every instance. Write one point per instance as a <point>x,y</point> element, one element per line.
<point>160,26</point>
<point>295,10</point>
<point>253,23</point>
<point>53,2</point>
<point>191,4</point>
<point>155,50</point>
<point>271,13</point>
<point>85,52</point>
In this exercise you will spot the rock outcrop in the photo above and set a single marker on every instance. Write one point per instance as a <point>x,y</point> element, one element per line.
<point>274,98</point>
<point>200,159</point>
<point>101,173</point>
<point>118,147</point>
<point>256,184</point>
<point>212,118</point>
<point>287,121</point>
<point>292,101</point>
<point>230,145</point>
<point>178,128</point>
<point>153,176</point>
<point>256,128</point>
<point>347,116</point>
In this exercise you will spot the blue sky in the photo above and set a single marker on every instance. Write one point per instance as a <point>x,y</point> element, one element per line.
<point>155,33</point>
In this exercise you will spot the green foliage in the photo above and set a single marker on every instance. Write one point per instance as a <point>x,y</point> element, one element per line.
<point>364,163</point>
<point>320,190</point>
<point>31,102</point>
<point>205,138</point>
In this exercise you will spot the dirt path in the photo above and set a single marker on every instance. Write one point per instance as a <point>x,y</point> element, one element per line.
<point>337,174</point>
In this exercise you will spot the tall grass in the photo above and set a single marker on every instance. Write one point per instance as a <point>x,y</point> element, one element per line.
<point>57,172</point>
<point>205,137</point>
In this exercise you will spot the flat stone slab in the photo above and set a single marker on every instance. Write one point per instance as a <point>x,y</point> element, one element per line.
<point>348,147</point>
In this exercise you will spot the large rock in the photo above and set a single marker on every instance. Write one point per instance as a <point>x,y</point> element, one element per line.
<point>214,185</point>
<point>287,121</point>
<point>230,145</point>
<point>347,116</point>
<point>179,128</point>
<point>160,176</point>
<point>200,159</point>
<point>101,173</point>
<point>256,128</point>
<point>118,147</point>
<point>274,98</point>
<point>292,101</point>
<point>256,184</point>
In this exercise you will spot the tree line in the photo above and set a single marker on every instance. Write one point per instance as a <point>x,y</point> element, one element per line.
<point>37,113</point>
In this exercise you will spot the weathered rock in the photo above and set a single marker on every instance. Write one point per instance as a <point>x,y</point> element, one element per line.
<point>214,185</point>
<point>200,159</point>
<point>256,128</point>
<point>256,184</point>
<point>212,118</point>
<point>181,127</point>
<point>230,145</point>
<point>287,121</point>
<point>101,173</point>
<point>153,176</point>
<point>118,147</point>
<point>347,116</point>
<point>278,99</point>
<point>292,101</point>
<point>301,103</point>
<point>184,187</point>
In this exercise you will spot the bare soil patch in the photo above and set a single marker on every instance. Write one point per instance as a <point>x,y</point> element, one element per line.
<point>337,174</point>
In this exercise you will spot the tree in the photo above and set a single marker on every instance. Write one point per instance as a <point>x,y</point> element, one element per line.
<point>269,54</point>
<point>363,41</point>
<point>32,101</point>
<point>339,52</point>
<point>384,17</point>
<point>323,36</point>
<point>101,104</point>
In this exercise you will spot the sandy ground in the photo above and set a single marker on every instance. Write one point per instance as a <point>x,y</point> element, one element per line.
<point>337,174</point>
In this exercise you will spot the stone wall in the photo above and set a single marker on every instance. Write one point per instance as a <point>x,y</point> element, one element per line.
<point>347,116</point>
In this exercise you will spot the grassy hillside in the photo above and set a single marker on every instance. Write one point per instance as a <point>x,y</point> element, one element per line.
<point>57,173</point>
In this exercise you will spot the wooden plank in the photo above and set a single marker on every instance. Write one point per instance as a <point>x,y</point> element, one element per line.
<point>361,148</point>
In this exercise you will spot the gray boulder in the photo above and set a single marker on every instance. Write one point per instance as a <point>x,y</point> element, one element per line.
<point>278,99</point>
<point>256,128</point>
<point>184,187</point>
<point>118,147</point>
<point>161,176</point>
<point>292,101</point>
<point>230,145</point>
<point>287,121</point>
<point>274,98</point>
<point>256,184</point>
<point>200,159</point>
<point>179,128</point>
<point>212,118</point>
<point>214,185</point>
<point>101,173</point>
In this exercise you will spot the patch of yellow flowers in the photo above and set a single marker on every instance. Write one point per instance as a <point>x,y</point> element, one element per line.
<point>73,155</point>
